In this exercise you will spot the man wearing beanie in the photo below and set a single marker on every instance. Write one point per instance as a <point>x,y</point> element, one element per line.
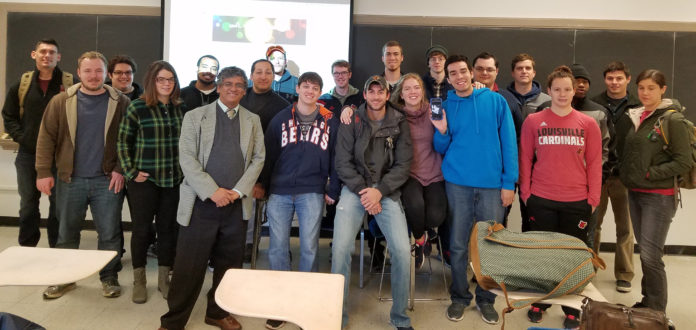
<point>435,83</point>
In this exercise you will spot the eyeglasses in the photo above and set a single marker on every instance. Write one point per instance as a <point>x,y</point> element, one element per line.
<point>162,80</point>
<point>125,73</point>
<point>482,69</point>
<point>233,85</point>
<point>341,74</point>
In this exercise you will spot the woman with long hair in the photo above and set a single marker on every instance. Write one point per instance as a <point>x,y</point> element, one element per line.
<point>650,160</point>
<point>148,149</point>
<point>423,195</point>
<point>560,170</point>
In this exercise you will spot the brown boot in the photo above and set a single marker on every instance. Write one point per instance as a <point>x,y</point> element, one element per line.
<point>163,280</point>
<point>139,285</point>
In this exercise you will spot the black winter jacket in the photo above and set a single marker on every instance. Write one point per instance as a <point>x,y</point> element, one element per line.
<point>25,130</point>
<point>646,162</point>
<point>193,98</point>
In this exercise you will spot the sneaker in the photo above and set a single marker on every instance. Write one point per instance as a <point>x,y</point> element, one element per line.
<point>623,286</point>
<point>571,322</point>
<point>57,291</point>
<point>111,288</point>
<point>488,313</point>
<point>419,257</point>
<point>670,324</point>
<point>455,312</point>
<point>404,328</point>
<point>274,324</point>
<point>534,314</point>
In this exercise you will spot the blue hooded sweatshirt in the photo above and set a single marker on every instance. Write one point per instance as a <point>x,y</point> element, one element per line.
<point>480,146</point>
<point>285,87</point>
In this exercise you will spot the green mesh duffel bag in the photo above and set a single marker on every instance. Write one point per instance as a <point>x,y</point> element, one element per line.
<point>547,262</point>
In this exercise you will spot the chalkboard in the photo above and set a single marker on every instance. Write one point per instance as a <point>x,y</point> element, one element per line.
<point>670,52</point>
<point>137,36</point>
<point>140,37</point>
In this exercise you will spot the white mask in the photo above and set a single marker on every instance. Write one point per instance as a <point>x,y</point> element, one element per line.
<point>277,58</point>
<point>208,65</point>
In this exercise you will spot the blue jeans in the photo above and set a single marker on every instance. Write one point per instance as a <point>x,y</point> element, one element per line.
<point>280,210</point>
<point>392,222</point>
<point>29,196</point>
<point>71,205</point>
<point>467,205</point>
<point>651,216</point>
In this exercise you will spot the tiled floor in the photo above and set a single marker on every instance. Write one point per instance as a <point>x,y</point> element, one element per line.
<point>85,308</point>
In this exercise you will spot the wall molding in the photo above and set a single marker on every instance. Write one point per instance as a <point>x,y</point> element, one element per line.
<point>504,22</point>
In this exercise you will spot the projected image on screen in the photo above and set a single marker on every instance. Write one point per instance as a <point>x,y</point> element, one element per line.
<point>314,34</point>
<point>259,29</point>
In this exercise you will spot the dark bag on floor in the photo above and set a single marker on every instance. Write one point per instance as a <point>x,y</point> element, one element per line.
<point>13,322</point>
<point>606,316</point>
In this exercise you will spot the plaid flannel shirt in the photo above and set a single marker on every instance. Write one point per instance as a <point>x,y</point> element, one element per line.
<point>148,141</point>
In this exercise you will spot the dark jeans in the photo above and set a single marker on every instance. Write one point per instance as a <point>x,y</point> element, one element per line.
<point>72,200</point>
<point>571,218</point>
<point>651,215</point>
<point>146,201</point>
<point>425,206</point>
<point>216,234</point>
<point>29,196</point>
<point>466,206</point>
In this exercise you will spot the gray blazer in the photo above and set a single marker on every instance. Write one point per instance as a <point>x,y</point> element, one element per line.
<point>195,143</point>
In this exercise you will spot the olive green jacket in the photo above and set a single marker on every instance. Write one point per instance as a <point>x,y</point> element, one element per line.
<point>646,161</point>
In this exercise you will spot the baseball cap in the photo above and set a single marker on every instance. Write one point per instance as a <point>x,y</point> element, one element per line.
<point>376,79</point>
<point>272,49</point>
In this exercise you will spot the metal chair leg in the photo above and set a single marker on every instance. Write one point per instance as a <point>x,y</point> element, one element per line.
<point>444,274</point>
<point>362,251</point>
<point>381,278</point>
<point>444,279</point>
<point>412,275</point>
<point>362,257</point>
<point>259,219</point>
<point>412,279</point>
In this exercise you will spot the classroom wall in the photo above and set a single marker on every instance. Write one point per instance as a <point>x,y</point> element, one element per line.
<point>635,10</point>
<point>406,16</point>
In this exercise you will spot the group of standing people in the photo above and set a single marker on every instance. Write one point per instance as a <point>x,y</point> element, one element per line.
<point>194,159</point>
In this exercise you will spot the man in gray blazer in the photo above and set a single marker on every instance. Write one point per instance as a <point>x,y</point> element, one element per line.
<point>221,152</point>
